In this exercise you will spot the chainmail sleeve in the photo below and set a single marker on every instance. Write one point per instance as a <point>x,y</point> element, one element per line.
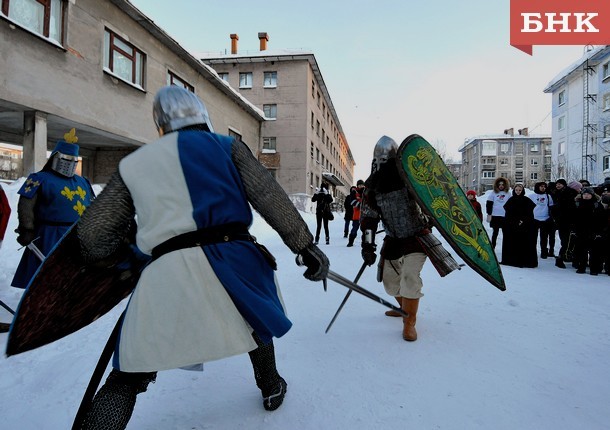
<point>25,212</point>
<point>106,222</point>
<point>270,200</point>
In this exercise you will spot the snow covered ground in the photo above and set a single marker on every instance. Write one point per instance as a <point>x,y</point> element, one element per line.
<point>533,357</point>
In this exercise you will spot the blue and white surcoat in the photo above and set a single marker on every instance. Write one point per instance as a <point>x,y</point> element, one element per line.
<point>202,303</point>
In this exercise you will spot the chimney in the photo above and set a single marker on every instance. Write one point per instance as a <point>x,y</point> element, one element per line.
<point>263,38</point>
<point>523,131</point>
<point>509,131</point>
<point>234,39</point>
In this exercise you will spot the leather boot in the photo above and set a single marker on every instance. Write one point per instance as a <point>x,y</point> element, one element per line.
<point>409,306</point>
<point>392,312</point>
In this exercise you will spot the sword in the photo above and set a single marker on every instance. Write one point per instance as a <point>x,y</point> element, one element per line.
<point>360,272</point>
<point>37,252</point>
<point>360,290</point>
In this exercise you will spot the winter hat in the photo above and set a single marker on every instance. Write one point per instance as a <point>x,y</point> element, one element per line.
<point>562,182</point>
<point>587,190</point>
<point>360,182</point>
<point>575,185</point>
<point>473,192</point>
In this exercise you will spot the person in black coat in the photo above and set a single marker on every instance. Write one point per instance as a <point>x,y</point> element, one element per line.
<point>519,240</point>
<point>563,214</point>
<point>590,222</point>
<point>349,211</point>
<point>323,199</point>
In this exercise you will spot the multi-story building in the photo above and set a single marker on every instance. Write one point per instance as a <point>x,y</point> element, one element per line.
<point>302,140</point>
<point>520,158</point>
<point>581,117</point>
<point>11,159</point>
<point>95,65</point>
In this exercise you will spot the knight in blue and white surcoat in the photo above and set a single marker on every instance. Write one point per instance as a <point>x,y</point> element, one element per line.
<point>210,290</point>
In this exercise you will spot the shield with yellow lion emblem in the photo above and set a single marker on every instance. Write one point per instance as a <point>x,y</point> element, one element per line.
<point>443,200</point>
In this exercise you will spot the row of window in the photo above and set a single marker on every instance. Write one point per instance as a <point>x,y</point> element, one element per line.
<point>245,79</point>
<point>491,174</point>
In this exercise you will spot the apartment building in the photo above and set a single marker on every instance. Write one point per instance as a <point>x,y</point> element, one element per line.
<point>95,65</point>
<point>520,158</point>
<point>581,117</point>
<point>303,143</point>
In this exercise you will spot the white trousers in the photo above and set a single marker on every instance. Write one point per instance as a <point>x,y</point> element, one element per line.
<point>401,277</point>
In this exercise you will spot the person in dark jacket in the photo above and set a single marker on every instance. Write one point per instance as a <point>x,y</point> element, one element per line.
<point>349,211</point>
<point>519,240</point>
<point>323,200</point>
<point>552,226</point>
<point>356,201</point>
<point>471,195</point>
<point>563,214</point>
<point>590,223</point>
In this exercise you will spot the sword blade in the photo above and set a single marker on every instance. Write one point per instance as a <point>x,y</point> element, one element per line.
<point>36,251</point>
<point>363,291</point>
<point>360,272</point>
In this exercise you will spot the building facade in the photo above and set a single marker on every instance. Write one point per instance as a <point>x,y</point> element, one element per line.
<point>95,65</point>
<point>581,117</point>
<point>519,158</point>
<point>303,143</point>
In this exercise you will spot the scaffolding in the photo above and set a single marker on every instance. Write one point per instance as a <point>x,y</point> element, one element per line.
<point>588,129</point>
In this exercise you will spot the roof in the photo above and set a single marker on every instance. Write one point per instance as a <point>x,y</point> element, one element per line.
<point>207,72</point>
<point>596,54</point>
<point>269,55</point>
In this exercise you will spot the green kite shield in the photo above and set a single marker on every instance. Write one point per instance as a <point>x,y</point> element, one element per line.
<point>440,196</point>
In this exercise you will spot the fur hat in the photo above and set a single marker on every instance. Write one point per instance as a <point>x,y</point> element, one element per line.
<point>587,190</point>
<point>473,192</point>
<point>575,185</point>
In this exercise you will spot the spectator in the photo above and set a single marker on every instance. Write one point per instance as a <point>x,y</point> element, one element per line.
<point>472,196</point>
<point>356,201</point>
<point>495,207</point>
<point>563,214</point>
<point>519,236</point>
<point>542,218</point>
<point>552,226</point>
<point>590,224</point>
<point>323,200</point>
<point>349,211</point>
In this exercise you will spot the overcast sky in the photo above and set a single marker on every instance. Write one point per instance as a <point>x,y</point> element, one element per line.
<point>442,69</point>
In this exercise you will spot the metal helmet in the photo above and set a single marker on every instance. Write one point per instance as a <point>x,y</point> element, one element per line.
<point>385,148</point>
<point>175,108</point>
<point>64,158</point>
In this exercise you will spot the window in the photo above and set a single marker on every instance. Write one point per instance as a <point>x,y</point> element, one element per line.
<point>173,79</point>
<point>270,79</point>
<point>605,71</point>
<point>311,150</point>
<point>606,162</point>
<point>504,147</point>
<point>245,80</point>
<point>534,147</point>
<point>519,162</point>
<point>560,147</point>
<point>606,101</point>
<point>317,127</point>
<point>270,111</point>
<point>269,144</point>
<point>235,134</point>
<point>533,161</point>
<point>487,174</point>
<point>224,76</point>
<point>312,119</point>
<point>534,176</point>
<point>519,176</point>
<point>503,161</point>
<point>123,59</point>
<point>561,123</point>
<point>44,17</point>
<point>562,97</point>
<point>489,147</point>
<point>606,131</point>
